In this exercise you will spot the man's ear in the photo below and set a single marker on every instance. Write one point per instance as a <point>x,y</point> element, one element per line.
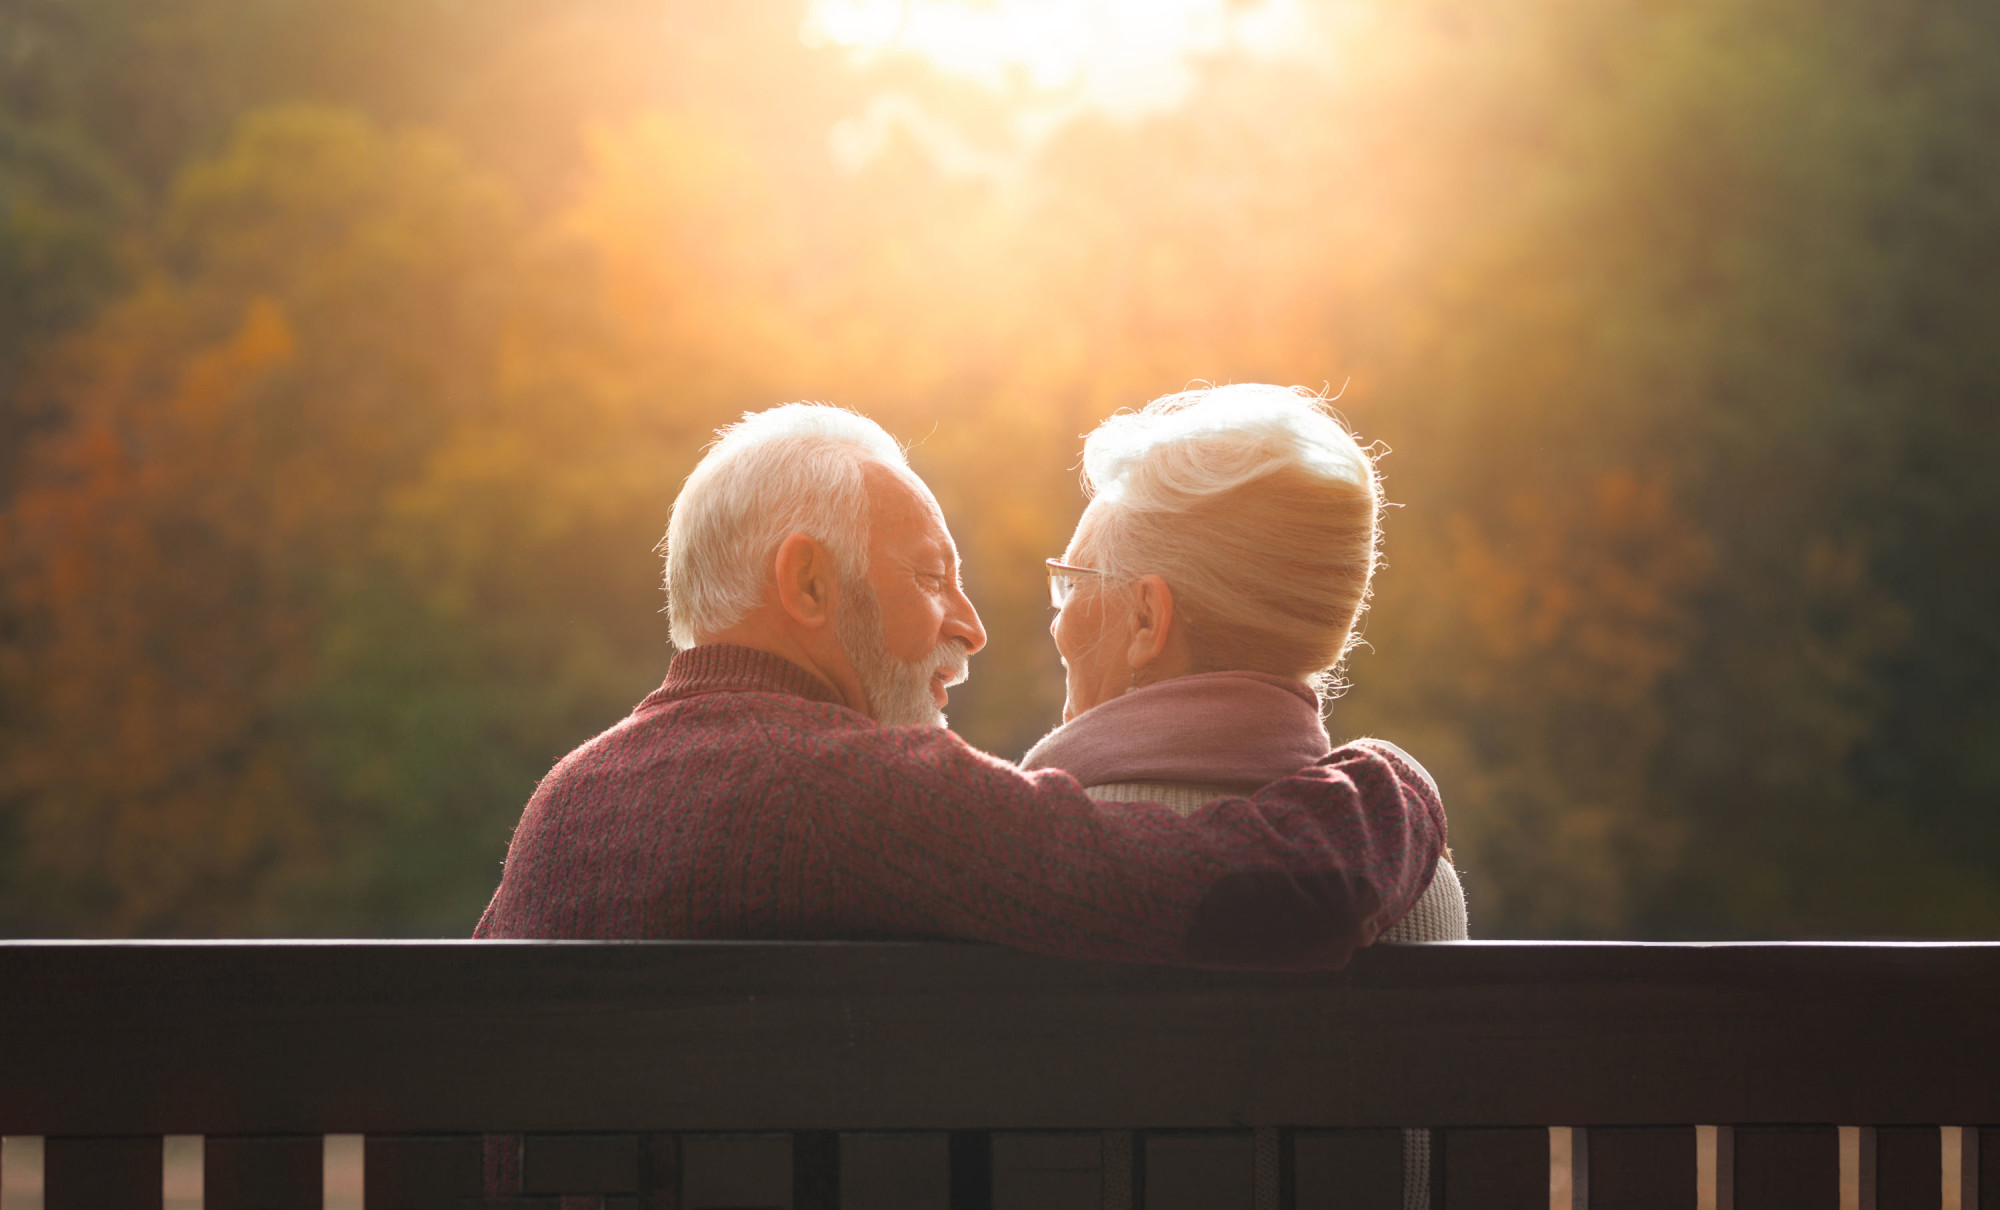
<point>1152,620</point>
<point>807,586</point>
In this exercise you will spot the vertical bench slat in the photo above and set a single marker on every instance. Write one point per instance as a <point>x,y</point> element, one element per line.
<point>500,1165</point>
<point>660,1172</point>
<point>95,1173</point>
<point>815,1170</point>
<point>1787,1167</point>
<point>1209,1170</point>
<point>1909,1168</point>
<point>1123,1168</point>
<point>736,1170</point>
<point>1048,1171</point>
<point>895,1171</point>
<point>971,1159</point>
<point>421,1172</point>
<point>1490,1169</point>
<point>1986,1169</point>
<point>1642,1168</point>
<point>1347,1170</point>
<point>263,1172</point>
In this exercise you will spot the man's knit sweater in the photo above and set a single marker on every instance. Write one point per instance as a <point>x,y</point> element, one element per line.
<point>739,801</point>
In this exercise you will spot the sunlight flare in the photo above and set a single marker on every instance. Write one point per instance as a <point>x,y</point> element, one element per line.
<point>1122,57</point>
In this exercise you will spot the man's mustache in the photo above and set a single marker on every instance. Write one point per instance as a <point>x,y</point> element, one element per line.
<point>951,657</point>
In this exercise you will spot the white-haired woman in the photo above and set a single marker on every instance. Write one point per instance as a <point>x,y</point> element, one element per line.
<point>1205,604</point>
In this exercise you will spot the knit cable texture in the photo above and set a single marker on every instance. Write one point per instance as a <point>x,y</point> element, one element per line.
<point>739,802</point>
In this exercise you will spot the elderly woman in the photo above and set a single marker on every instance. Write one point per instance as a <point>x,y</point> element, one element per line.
<point>1206,603</point>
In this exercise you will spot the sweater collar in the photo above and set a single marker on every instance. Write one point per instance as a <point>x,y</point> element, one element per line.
<point>1238,730</point>
<point>722,668</point>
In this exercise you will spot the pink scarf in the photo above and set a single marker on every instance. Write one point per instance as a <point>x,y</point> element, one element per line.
<point>1238,730</point>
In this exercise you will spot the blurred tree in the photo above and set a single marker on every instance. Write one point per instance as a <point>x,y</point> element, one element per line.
<point>1675,317</point>
<point>329,308</point>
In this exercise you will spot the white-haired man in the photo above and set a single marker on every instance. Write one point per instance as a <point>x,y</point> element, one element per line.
<point>792,777</point>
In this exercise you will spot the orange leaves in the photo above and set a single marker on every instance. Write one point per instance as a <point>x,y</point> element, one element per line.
<point>1594,589</point>
<point>214,377</point>
<point>129,562</point>
<point>1523,650</point>
<point>176,553</point>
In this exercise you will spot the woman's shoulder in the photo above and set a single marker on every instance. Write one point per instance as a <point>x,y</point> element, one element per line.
<point>1439,915</point>
<point>1184,797</point>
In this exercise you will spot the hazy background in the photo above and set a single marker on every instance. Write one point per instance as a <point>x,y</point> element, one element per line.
<point>352,353</point>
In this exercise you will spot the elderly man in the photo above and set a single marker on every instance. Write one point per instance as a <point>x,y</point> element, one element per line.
<point>793,779</point>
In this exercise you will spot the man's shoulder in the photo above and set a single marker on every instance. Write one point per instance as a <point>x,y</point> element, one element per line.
<point>754,734</point>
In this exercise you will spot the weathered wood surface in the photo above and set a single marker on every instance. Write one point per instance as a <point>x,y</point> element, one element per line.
<point>444,1037</point>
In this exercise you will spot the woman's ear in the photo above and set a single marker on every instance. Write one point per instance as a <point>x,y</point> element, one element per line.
<point>1152,621</point>
<point>807,587</point>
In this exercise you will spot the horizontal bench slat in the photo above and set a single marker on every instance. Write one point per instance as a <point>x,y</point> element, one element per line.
<point>462,1037</point>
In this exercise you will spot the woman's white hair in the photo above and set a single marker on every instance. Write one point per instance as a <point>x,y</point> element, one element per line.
<point>1257,507</point>
<point>785,470</point>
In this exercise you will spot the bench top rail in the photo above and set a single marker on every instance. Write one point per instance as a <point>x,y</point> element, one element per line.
<point>301,1037</point>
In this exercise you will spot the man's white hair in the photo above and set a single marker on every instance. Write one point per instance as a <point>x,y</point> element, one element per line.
<point>795,469</point>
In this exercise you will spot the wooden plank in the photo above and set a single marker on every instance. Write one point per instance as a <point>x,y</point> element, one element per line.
<point>262,1173</point>
<point>421,1172</point>
<point>1491,1169</point>
<point>1211,1170</point>
<point>1048,1171</point>
<point>501,1165</point>
<point>301,1038</point>
<point>1988,1165</point>
<point>971,1170</point>
<point>1348,1169</point>
<point>1642,1168</point>
<point>659,1172</point>
<point>1909,1168</point>
<point>902,1171</point>
<point>95,1173</point>
<point>1124,1169</point>
<point>815,1170</point>
<point>1787,1167</point>
<point>736,1171</point>
<point>580,1163</point>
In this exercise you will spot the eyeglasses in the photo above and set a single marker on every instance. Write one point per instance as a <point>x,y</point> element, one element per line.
<point>1062,580</point>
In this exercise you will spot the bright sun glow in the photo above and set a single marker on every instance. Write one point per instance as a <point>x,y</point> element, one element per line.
<point>1121,57</point>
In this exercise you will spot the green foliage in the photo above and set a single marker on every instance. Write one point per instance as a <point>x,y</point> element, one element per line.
<point>1677,318</point>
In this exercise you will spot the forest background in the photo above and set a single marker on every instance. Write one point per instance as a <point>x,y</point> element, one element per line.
<point>352,353</point>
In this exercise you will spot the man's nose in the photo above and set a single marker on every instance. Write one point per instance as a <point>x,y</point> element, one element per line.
<point>963,624</point>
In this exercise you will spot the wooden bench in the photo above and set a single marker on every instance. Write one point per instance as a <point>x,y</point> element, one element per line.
<point>622,1076</point>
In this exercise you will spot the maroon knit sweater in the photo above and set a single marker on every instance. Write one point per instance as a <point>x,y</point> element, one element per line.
<point>739,802</point>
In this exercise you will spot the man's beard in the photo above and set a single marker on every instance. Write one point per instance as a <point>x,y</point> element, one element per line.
<point>899,691</point>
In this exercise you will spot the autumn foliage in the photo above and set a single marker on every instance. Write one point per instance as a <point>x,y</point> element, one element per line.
<point>336,459</point>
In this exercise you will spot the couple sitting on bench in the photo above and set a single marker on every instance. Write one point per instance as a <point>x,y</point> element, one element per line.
<point>793,777</point>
